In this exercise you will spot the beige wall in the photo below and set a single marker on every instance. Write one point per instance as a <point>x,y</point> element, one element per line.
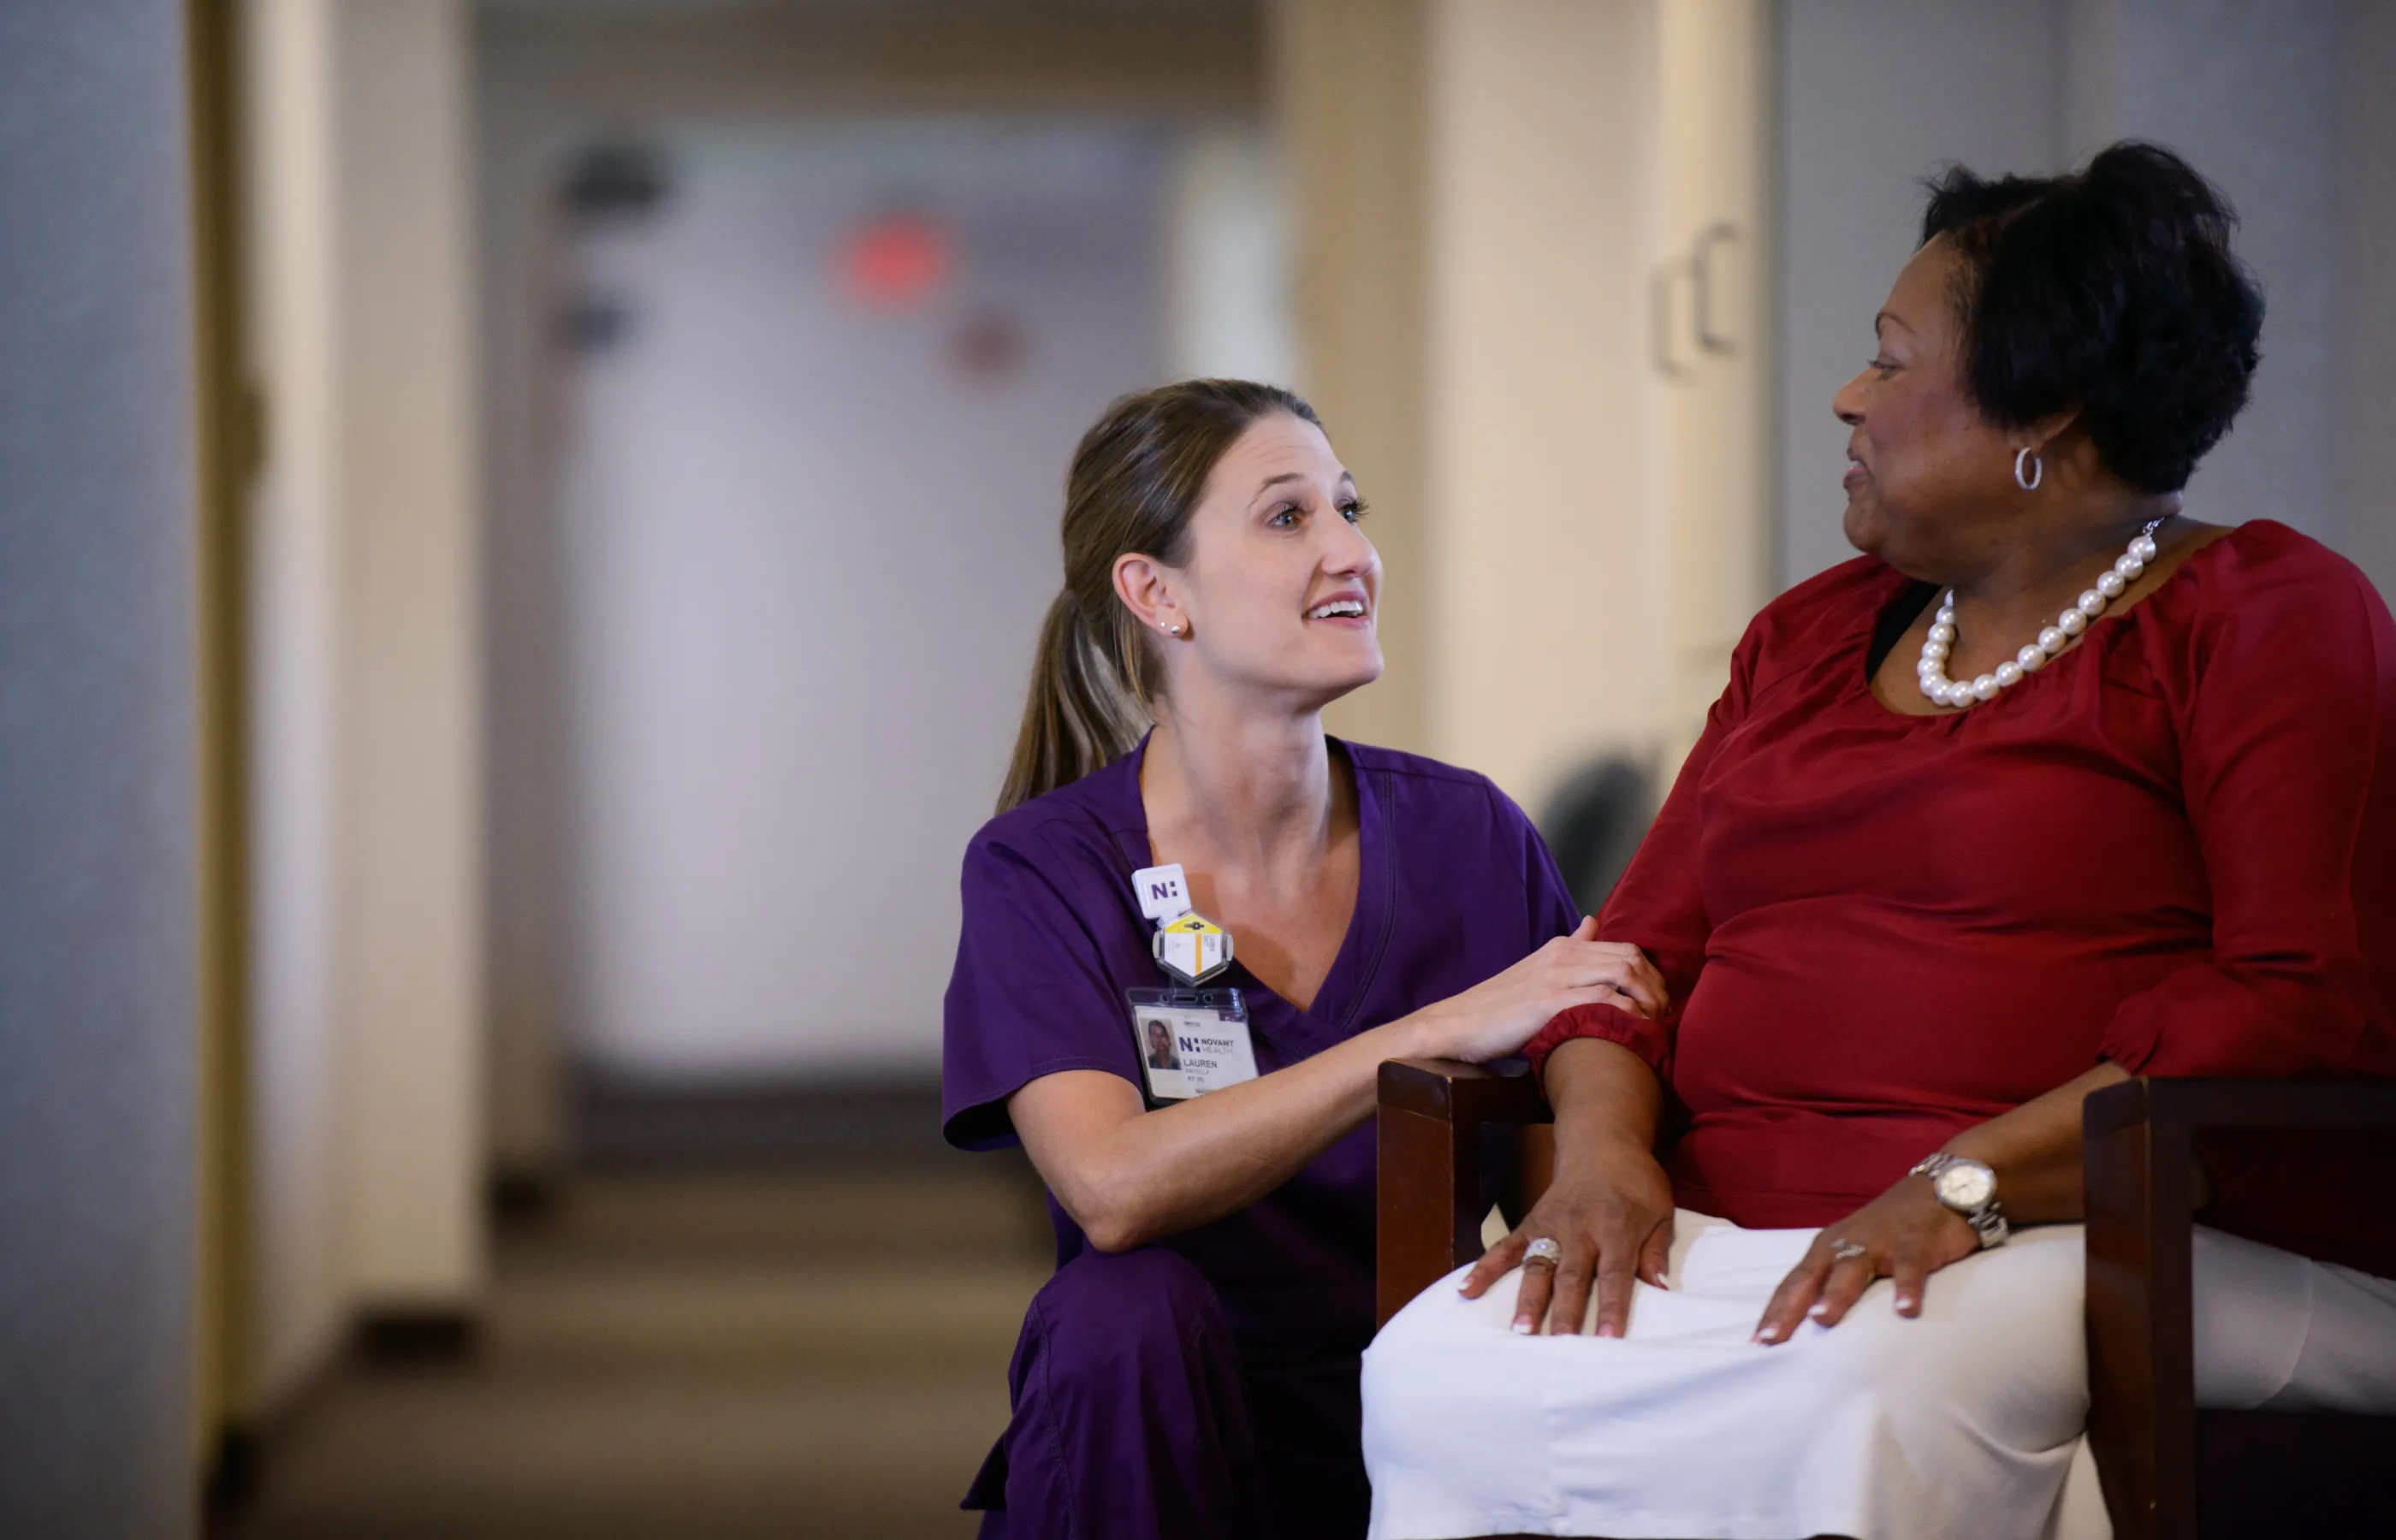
<point>1716,236</point>
<point>1573,535</point>
<point>1352,87</point>
<point>296,1277</point>
<point>409,824</point>
<point>1543,477</point>
<point>364,1033</point>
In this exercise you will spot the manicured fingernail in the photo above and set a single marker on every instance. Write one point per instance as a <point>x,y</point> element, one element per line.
<point>1905,1302</point>
<point>1607,1329</point>
<point>1523,1325</point>
<point>1821,1312</point>
<point>1764,1335</point>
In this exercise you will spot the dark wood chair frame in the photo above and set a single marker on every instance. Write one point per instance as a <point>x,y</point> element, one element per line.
<point>1452,1136</point>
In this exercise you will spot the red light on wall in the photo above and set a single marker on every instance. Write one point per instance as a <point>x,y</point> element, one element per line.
<point>894,263</point>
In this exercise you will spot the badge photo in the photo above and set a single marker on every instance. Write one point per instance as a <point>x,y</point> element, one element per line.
<point>1190,1042</point>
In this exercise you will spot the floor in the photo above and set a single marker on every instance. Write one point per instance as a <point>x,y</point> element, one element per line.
<point>703,1354</point>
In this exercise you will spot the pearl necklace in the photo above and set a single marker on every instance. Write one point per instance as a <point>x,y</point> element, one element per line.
<point>2053,640</point>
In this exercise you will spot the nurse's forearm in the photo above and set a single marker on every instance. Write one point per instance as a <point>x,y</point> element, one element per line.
<point>1131,1177</point>
<point>2034,1149</point>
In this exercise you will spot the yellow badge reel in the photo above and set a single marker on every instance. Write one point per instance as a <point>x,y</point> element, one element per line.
<point>1192,948</point>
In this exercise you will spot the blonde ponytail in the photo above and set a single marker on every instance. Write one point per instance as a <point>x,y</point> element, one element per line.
<point>1079,714</point>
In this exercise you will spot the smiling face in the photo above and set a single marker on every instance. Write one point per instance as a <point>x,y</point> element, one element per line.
<point>1930,486</point>
<point>1281,590</point>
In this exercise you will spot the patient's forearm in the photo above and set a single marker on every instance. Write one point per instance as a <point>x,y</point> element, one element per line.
<point>1605,1097</point>
<point>2035,1150</point>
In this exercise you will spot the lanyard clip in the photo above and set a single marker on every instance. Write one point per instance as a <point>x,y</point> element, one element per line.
<point>1186,945</point>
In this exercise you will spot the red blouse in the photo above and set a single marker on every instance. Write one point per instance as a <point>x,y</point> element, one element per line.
<point>2173,847</point>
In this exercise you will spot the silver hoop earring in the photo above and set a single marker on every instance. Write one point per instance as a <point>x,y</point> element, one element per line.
<point>2028,479</point>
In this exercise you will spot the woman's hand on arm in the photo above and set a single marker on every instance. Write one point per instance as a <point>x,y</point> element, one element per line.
<point>1610,1206</point>
<point>1493,1018</point>
<point>1130,1176</point>
<point>1908,1234</point>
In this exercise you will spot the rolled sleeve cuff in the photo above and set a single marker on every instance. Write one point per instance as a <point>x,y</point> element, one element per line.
<point>2206,1023</point>
<point>2131,1044</point>
<point>1644,1038</point>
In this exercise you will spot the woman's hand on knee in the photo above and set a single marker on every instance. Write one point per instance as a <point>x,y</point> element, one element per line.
<point>1904,1235</point>
<point>1497,1016</point>
<point>1612,1225</point>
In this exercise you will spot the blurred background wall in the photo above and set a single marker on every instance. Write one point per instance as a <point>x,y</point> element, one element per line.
<point>364,1155</point>
<point>629,439</point>
<point>796,312</point>
<point>809,466</point>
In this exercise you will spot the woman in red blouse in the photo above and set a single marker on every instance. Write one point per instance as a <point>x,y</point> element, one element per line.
<point>2055,785</point>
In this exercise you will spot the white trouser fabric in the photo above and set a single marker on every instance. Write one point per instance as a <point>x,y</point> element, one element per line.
<point>1966,1420</point>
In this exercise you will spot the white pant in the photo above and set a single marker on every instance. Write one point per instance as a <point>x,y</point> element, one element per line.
<point>1967,1420</point>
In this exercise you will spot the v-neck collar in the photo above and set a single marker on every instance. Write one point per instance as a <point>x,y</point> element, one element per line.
<point>1342,995</point>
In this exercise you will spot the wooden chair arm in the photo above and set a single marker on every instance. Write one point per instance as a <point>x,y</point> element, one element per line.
<point>1432,1126</point>
<point>2139,1141</point>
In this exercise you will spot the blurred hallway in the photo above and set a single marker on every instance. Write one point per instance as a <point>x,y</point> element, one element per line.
<point>816,1353</point>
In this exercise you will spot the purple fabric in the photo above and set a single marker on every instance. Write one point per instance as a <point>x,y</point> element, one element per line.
<point>1136,1417</point>
<point>1454,886</point>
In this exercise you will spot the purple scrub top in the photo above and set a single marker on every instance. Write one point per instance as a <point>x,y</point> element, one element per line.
<point>1455,886</point>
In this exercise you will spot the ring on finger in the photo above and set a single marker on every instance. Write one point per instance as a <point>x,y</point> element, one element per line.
<point>1848,1251</point>
<point>1542,1249</point>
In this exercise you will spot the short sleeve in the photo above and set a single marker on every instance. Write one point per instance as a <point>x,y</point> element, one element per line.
<point>1030,994</point>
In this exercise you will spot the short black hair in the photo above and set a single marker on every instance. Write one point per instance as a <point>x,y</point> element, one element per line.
<point>2112,290</point>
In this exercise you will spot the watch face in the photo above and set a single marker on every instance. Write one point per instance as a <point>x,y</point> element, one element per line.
<point>1966,1185</point>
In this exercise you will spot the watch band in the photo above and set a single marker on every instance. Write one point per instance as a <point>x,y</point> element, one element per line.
<point>1988,1219</point>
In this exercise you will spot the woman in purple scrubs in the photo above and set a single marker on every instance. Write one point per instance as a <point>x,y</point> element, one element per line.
<point>1191,1368</point>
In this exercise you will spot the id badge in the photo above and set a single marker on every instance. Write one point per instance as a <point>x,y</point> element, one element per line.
<point>1190,1042</point>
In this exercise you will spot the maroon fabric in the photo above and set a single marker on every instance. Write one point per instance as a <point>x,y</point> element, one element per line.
<point>2173,847</point>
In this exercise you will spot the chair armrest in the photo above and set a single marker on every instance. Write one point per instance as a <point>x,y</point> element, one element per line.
<point>1430,1128</point>
<point>2140,1150</point>
<point>1468,1093</point>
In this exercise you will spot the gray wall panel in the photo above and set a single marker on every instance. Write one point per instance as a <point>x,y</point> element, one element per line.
<point>97,882</point>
